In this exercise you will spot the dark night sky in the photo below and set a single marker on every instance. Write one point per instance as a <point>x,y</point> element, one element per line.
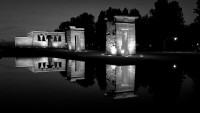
<point>18,17</point>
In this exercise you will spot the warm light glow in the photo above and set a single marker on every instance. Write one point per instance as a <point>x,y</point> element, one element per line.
<point>174,66</point>
<point>124,29</point>
<point>113,50</point>
<point>55,45</point>
<point>122,51</point>
<point>113,67</point>
<point>69,47</point>
<point>175,38</point>
<point>78,49</point>
<point>43,44</point>
<point>131,46</point>
<point>141,56</point>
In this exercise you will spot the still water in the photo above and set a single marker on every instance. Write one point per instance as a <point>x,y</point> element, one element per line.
<point>46,82</point>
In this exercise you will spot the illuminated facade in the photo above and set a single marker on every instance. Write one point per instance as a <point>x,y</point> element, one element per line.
<point>120,80</point>
<point>75,39</point>
<point>42,64</point>
<point>75,70</point>
<point>23,41</point>
<point>120,36</point>
<point>42,39</point>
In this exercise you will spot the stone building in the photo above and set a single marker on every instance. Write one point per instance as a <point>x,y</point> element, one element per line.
<point>120,36</point>
<point>23,42</point>
<point>75,39</point>
<point>42,39</point>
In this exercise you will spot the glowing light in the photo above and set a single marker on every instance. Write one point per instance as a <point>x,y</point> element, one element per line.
<point>131,46</point>
<point>55,44</point>
<point>69,61</point>
<point>113,50</point>
<point>113,67</point>
<point>43,44</point>
<point>55,59</point>
<point>175,38</point>
<point>70,47</point>
<point>125,29</point>
<point>78,49</point>
<point>174,66</point>
<point>141,56</point>
<point>122,51</point>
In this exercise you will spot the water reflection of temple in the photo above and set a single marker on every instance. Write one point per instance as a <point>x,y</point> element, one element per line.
<point>75,70</point>
<point>42,64</point>
<point>120,81</point>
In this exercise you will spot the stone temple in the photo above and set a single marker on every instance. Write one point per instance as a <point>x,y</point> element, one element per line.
<point>76,39</point>
<point>120,36</point>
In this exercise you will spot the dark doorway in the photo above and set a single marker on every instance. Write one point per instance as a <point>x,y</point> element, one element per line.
<point>76,42</point>
<point>49,38</point>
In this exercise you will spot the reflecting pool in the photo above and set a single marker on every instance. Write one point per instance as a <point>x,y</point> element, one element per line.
<point>48,82</point>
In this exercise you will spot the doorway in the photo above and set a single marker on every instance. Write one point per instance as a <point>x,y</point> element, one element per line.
<point>77,43</point>
<point>49,38</point>
<point>125,39</point>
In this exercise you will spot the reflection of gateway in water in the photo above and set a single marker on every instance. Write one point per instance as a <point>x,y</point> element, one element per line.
<point>75,70</point>
<point>120,81</point>
<point>42,64</point>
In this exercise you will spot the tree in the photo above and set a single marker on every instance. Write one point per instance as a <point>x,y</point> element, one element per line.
<point>63,27</point>
<point>197,11</point>
<point>125,11</point>
<point>103,17</point>
<point>166,22</point>
<point>101,30</point>
<point>194,29</point>
<point>134,12</point>
<point>86,21</point>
